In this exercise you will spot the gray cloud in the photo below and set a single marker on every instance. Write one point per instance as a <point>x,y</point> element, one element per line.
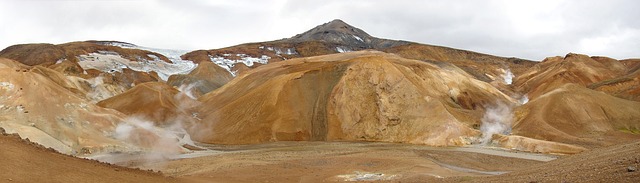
<point>526,29</point>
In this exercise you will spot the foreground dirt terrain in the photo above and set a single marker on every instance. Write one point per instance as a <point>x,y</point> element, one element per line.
<point>343,161</point>
<point>387,162</point>
<point>618,163</point>
<point>23,161</point>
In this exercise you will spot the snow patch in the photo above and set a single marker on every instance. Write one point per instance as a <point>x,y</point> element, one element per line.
<point>177,66</point>
<point>280,51</point>
<point>290,51</point>
<point>342,49</point>
<point>523,100</point>
<point>247,60</point>
<point>119,44</point>
<point>358,38</point>
<point>59,61</point>
<point>111,62</point>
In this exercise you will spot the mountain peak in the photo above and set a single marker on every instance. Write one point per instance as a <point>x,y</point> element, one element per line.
<point>340,33</point>
<point>337,25</point>
<point>330,31</point>
<point>337,22</point>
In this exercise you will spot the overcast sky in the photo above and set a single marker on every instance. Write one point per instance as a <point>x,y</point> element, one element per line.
<point>527,29</point>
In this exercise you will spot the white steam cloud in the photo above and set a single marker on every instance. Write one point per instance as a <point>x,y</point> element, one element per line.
<point>100,91</point>
<point>497,119</point>
<point>508,77</point>
<point>157,142</point>
<point>187,89</point>
<point>523,100</point>
<point>160,142</point>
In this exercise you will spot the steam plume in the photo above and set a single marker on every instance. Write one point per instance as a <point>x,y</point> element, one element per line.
<point>187,89</point>
<point>508,77</point>
<point>496,120</point>
<point>143,133</point>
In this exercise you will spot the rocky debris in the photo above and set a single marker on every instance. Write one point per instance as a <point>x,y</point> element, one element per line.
<point>631,168</point>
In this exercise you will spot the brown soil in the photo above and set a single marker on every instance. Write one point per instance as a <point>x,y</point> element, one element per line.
<point>23,161</point>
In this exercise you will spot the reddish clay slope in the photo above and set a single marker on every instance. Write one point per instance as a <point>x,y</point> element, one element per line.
<point>154,101</point>
<point>626,86</point>
<point>577,115</point>
<point>361,96</point>
<point>554,72</point>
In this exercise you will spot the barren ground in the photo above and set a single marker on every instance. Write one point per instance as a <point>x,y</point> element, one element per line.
<point>343,161</point>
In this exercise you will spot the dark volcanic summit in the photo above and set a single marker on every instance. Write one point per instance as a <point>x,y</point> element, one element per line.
<point>340,33</point>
